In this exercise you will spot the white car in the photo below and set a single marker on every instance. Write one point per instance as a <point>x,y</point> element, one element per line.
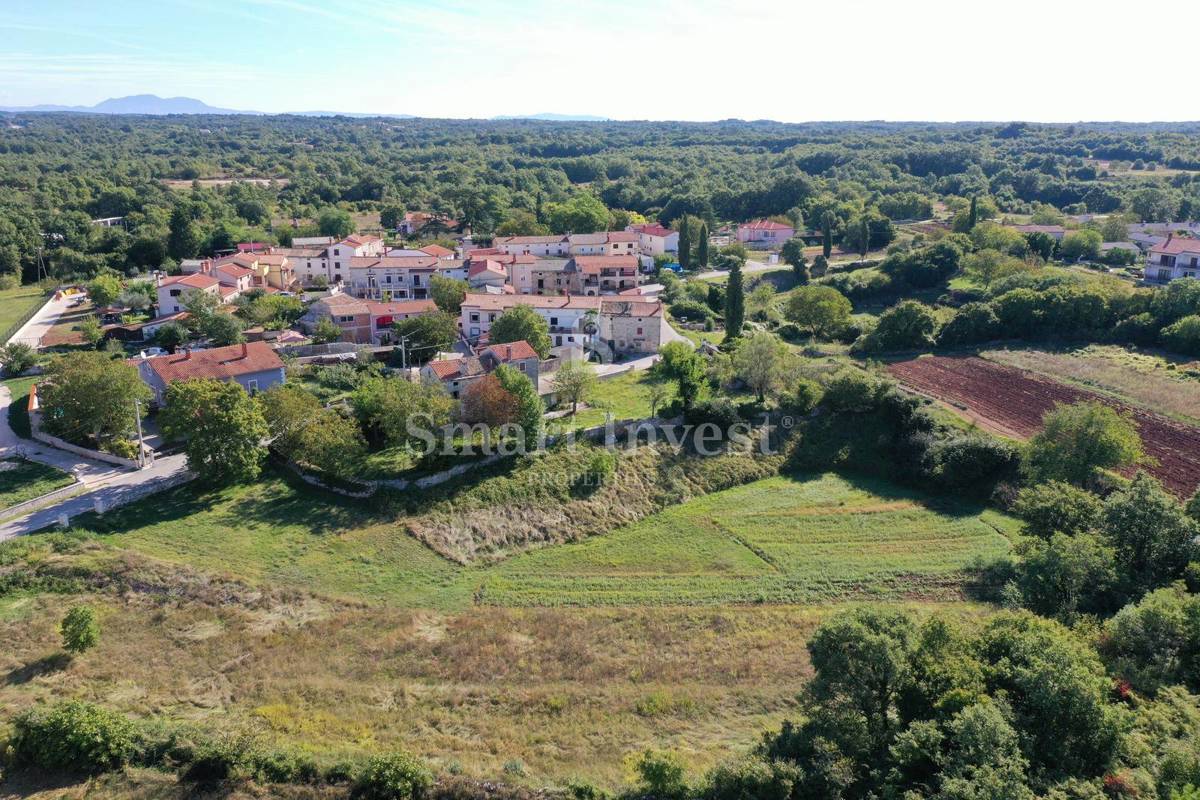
<point>151,352</point>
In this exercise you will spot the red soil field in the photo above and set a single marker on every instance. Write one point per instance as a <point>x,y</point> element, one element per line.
<point>1011,402</point>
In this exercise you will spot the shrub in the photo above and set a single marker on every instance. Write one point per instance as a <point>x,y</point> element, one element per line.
<point>853,391</point>
<point>691,311</point>
<point>974,463</point>
<point>661,775</point>
<point>395,776</point>
<point>73,737</point>
<point>718,411</point>
<point>80,631</point>
<point>17,357</point>
<point>1057,507</point>
<point>214,760</point>
<point>753,778</point>
<point>908,325</point>
<point>806,394</point>
<point>974,323</point>
<point>1183,336</point>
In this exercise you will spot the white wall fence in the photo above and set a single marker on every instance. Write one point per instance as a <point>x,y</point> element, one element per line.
<point>35,426</point>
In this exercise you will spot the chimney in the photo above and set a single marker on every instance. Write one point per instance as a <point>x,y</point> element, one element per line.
<point>243,349</point>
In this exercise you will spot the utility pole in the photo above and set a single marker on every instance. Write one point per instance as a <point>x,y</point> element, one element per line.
<point>137,415</point>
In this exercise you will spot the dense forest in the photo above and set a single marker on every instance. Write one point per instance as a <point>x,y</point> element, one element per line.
<point>60,171</point>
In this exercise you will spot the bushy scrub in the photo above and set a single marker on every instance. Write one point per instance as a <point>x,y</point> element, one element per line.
<point>395,776</point>
<point>74,736</point>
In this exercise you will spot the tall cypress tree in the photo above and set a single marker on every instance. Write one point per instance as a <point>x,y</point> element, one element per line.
<point>973,214</point>
<point>864,235</point>
<point>827,234</point>
<point>685,242</point>
<point>702,246</point>
<point>735,302</point>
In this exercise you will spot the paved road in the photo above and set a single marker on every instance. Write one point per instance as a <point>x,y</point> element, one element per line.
<point>105,482</point>
<point>749,266</point>
<point>39,324</point>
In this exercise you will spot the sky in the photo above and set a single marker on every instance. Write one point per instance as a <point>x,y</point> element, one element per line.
<point>1035,60</point>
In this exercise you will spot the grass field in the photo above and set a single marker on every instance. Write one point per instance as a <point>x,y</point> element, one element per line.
<point>15,303</point>
<point>25,480</point>
<point>626,396</point>
<point>316,624</point>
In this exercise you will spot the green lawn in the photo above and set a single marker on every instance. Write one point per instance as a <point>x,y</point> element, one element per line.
<point>627,396</point>
<point>781,540</point>
<point>14,303</point>
<point>26,480</point>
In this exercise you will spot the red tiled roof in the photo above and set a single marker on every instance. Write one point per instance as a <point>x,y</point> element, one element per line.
<point>485,265</point>
<point>221,363</point>
<point>653,229</point>
<point>631,308</point>
<point>1176,245</point>
<point>498,302</point>
<point>622,236</point>
<point>512,351</point>
<point>453,368</point>
<point>437,250</point>
<point>196,280</point>
<point>401,307</point>
<point>233,271</point>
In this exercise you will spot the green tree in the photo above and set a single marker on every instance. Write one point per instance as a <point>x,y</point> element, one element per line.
<point>735,302</point>
<point>90,395</point>
<point>973,213</point>
<point>820,310</point>
<point>170,336</point>
<point>393,411</point>
<point>72,737</point>
<point>573,382</point>
<point>530,409</point>
<point>1078,440</point>
<point>792,253</point>
<point>762,361</point>
<point>303,430</point>
<point>1078,245</point>
<point>519,323</point>
<point>662,776</point>
<point>104,290</point>
<point>221,426</point>
<point>827,222</point>
<point>335,222</point>
<point>702,246</point>
<point>1063,575</point>
<point>184,239</point>
<point>426,335</point>
<point>988,266</point>
<point>90,330</point>
<point>1056,507</point>
<point>80,629</point>
<point>683,225</point>
<point>448,293</point>
<point>325,331</point>
<point>682,364</point>
<point>582,213</point>
<point>908,325</point>
<point>1152,534</point>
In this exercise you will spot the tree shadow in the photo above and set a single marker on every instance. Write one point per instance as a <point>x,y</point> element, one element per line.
<point>46,665</point>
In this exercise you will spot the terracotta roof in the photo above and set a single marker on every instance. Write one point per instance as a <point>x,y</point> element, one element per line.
<point>401,307</point>
<point>301,252</point>
<point>1176,245</point>
<point>485,265</point>
<point>389,262</point>
<point>343,303</point>
<point>358,240</point>
<point>228,291</point>
<point>622,236</point>
<point>455,368</point>
<point>495,302</point>
<point>512,351</point>
<point>437,250</point>
<point>221,363</point>
<point>233,271</point>
<point>196,280</point>
<point>653,229</point>
<point>597,263</point>
<point>764,225</point>
<point>600,237</point>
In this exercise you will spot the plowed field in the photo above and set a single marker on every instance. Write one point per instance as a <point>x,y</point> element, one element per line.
<point>1012,402</point>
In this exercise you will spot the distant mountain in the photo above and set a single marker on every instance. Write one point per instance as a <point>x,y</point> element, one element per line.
<point>137,104</point>
<point>560,117</point>
<point>155,105</point>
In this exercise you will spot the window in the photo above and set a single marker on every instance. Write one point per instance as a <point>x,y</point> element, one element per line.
<point>474,317</point>
<point>554,321</point>
<point>474,331</point>
<point>175,292</point>
<point>346,318</point>
<point>387,278</point>
<point>416,280</point>
<point>252,386</point>
<point>639,331</point>
<point>521,366</point>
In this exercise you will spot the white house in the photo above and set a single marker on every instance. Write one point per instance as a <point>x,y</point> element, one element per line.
<point>171,290</point>
<point>1176,257</point>
<point>655,240</point>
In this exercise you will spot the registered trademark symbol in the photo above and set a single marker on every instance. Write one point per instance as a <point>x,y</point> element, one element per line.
<point>787,422</point>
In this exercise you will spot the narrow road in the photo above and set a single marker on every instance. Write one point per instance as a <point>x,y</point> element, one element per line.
<point>39,324</point>
<point>102,481</point>
<point>749,266</point>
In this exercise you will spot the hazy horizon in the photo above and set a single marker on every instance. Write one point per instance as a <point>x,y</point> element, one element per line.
<point>926,61</point>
